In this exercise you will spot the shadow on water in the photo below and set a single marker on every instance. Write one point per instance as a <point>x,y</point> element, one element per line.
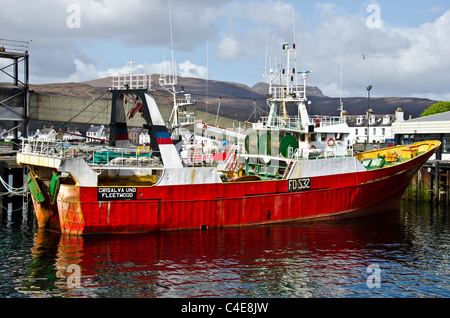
<point>410,247</point>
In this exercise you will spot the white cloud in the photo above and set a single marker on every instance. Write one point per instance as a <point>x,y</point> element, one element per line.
<point>398,61</point>
<point>278,14</point>
<point>249,25</point>
<point>189,69</point>
<point>402,61</point>
<point>83,72</point>
<point>230,48</point>
<point>141,23</point>
<point>61,53</point>
<point>184,69</point>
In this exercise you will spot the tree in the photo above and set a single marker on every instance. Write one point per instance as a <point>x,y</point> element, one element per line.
<point>436,109</point>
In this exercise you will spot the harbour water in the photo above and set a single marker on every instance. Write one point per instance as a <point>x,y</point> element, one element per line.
<point>405,254</point>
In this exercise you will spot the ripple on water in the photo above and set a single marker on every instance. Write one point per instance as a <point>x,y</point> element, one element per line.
<point>410,247</point>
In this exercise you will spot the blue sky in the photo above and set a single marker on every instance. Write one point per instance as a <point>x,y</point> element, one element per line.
<point>406,54</point>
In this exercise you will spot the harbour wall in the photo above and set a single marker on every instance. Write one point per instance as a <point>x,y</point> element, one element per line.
<point>56,108</point>
<point>64,109</point>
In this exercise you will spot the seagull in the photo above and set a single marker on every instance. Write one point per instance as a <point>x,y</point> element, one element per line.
<point>363,57</point>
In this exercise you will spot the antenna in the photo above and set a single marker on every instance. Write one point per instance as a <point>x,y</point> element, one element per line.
<point>295,52</point>
<point>131,73</point>
<point>267,44</point>
<point>341,104</point>
<point>171,44</point>
<point>131,66</point>
<point>207,76</point>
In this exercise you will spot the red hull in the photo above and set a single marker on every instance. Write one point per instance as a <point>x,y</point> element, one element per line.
<point>165,208</point>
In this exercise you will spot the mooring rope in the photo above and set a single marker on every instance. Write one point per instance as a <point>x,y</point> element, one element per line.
<point>12,190</point>
<point>29,201</point>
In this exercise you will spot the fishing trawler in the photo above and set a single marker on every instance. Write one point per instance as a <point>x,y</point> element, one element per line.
<point>288,169</point>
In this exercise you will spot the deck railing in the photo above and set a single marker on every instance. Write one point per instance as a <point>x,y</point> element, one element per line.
<point>139,81</point>
<point>93,155</point>
<point>13,46</point>
<point>280,92</point>
<point>296,122</point>
<point>280,122</point>
<point>324,121</point>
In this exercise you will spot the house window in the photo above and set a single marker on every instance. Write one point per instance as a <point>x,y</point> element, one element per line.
<point>360,120</point>
<point>374,131</point>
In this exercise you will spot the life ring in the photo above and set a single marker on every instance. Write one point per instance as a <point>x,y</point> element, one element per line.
<point>375,147</point>
<point>312,147</point>
<point>330,142</point>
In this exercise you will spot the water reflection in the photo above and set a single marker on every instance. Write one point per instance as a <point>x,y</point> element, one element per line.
<point>315,260</point>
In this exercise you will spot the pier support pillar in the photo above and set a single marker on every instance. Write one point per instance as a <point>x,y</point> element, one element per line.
<point>446,187</point>
<point>3,213</point>
<point>436,181</point>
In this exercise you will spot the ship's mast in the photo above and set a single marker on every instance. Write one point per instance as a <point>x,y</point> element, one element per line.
<point>287,92</point>
<point>171,80</point>
<point>168,82</point>
<point>341,104</point>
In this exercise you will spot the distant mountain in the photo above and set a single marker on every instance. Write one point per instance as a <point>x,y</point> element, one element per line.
<point>238,101</point>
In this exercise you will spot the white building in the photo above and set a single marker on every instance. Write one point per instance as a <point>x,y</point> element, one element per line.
<point>144,138</point>
<point>73,135</point>
<point>45,134</point>
<point>433,127</point>
<point>97,133</point>
<point>377,130</point>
